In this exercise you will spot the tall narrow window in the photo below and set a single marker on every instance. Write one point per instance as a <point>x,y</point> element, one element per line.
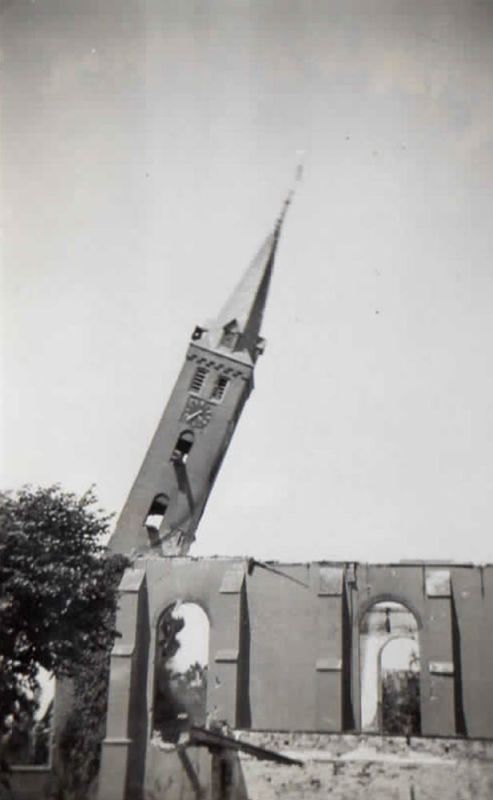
<point>219,388</point>
<point>181,666</point>
<point>155,515</point>
<point>182,448</point>
<point>198,379</point>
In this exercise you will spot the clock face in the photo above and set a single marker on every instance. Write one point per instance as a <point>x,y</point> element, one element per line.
<point>197,413</point>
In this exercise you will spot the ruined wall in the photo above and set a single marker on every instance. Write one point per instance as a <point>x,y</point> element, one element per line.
<point>278,659</point>
<point>28,783</point>
<point>360,768</point>
<point>285,639</point>
<point>296,630</point>
<point>426,592</point>
<point>472,619</point>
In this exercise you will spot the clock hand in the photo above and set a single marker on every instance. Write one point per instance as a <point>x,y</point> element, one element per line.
<point>192,416</point>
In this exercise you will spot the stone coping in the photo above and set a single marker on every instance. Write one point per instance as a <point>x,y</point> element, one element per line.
<point>341,744</point>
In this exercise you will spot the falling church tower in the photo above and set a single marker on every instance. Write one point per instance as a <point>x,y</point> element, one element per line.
<point>160,518</point>
<point>171,490</point>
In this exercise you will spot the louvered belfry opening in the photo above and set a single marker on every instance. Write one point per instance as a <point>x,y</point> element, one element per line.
<point>198,379</point>
<point>219,389</point>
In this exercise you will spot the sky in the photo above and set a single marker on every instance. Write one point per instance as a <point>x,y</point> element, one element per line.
<point>146,148</point>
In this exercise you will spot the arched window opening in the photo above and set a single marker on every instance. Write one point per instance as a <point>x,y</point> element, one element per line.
<point>390,670</point>
<point>27,735</point>
<point>155,515</point>
<point>182,448</point>
<point>182,657</point>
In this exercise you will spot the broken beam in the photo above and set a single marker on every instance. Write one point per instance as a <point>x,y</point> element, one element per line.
<point>212,739</point>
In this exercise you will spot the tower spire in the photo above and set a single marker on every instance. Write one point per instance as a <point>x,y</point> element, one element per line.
<point>237,327</point>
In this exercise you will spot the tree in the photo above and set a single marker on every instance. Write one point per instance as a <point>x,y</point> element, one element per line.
<point>58,591</point>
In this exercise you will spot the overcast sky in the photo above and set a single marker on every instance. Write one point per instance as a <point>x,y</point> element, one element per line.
<point>146,149</point>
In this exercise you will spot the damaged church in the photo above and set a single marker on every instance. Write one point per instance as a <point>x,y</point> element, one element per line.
<point>296,652</point>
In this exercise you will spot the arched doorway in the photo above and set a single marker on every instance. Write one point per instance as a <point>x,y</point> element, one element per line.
<point>399,687</point>
<point>182,656</point>
<point>390,670</point>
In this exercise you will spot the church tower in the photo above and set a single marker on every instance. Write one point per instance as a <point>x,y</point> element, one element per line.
<point>171,490</point>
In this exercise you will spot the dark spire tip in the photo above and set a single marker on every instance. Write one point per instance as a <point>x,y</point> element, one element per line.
<point>298,175</point>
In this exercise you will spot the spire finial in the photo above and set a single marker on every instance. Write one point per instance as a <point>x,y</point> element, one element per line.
<point>298,175</point>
